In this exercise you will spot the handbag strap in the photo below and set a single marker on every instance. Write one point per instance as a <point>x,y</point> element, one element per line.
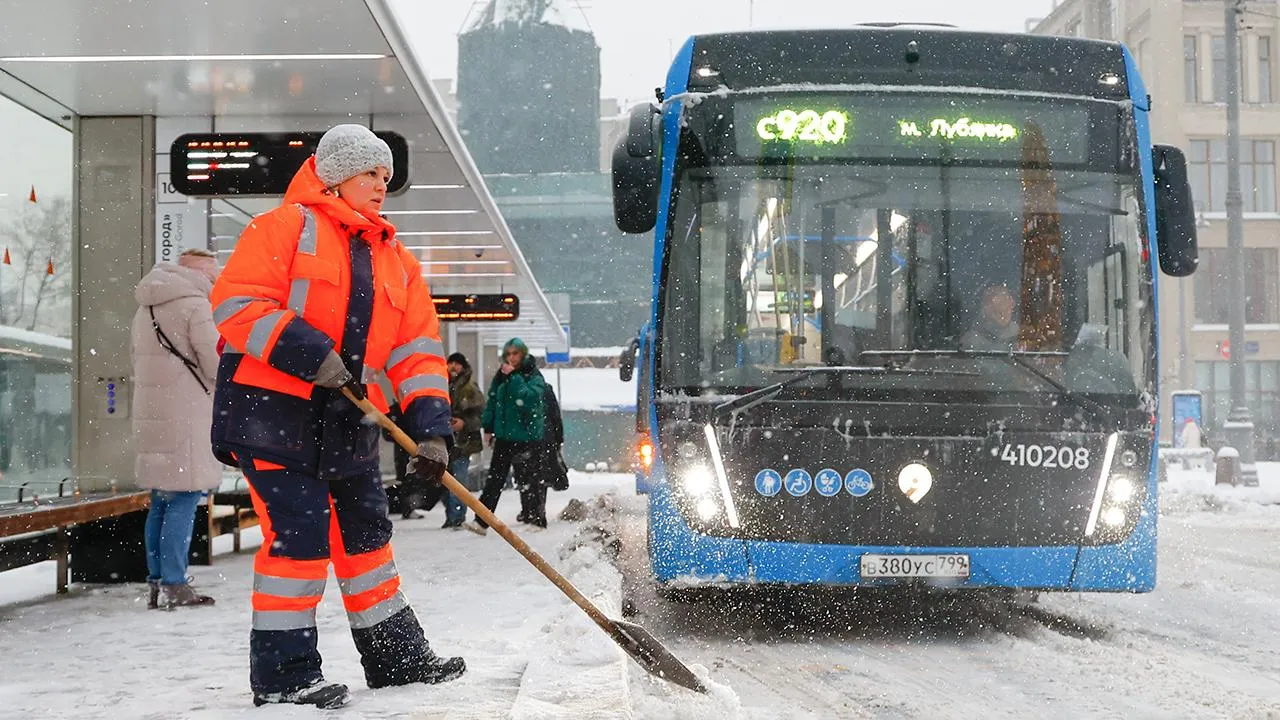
<point>165,343</point>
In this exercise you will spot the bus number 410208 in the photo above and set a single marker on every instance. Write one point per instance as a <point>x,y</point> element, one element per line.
<point>1046,456</point>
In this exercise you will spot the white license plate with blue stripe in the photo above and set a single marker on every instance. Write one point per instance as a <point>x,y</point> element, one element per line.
<point>914,566</point>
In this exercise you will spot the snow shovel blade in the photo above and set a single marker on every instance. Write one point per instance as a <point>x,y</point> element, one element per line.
<point>635,640</point>
<point>653,656</point>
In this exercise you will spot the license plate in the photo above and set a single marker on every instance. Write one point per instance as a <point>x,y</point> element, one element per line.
<point>912,566</point>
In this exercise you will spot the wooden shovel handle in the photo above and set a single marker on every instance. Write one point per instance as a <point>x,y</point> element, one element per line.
<point>471,501</point>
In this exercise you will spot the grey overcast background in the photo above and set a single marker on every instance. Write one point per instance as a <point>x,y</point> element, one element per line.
<point>638,37</point>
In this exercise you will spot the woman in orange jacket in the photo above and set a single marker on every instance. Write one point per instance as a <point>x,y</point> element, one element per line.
<point>319,295</point>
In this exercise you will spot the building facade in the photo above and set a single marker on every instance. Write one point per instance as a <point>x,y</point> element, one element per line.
<point>527,103</point>
<point>1179,49</point>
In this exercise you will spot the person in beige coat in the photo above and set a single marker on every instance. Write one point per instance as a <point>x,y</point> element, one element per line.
<point>175,361</point>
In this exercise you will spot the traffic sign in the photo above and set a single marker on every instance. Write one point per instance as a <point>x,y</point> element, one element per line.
<point>1251,347</point>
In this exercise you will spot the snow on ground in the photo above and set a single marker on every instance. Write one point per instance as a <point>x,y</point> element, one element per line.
<point>592,389</point>
<point>1205,644</point>
<point>531,655</point>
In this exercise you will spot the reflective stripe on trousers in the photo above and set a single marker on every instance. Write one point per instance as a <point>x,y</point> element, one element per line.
<point>372,595</point>
<point>285,603</point>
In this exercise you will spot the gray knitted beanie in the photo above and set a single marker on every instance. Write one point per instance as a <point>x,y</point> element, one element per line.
<point>348,150</point>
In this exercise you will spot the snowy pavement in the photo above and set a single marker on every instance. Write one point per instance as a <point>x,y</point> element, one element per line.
<point>99,653</point>
<point>1205,644</point>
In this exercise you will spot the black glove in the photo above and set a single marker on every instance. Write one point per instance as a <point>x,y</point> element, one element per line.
<point>431,461</point>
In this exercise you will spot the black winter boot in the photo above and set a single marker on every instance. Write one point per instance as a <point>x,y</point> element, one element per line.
<point>153,594</point>
<point>395,652</point>
<point>321,694</point>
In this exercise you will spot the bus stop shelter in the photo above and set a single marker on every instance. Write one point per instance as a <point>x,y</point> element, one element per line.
<point>128,77</point>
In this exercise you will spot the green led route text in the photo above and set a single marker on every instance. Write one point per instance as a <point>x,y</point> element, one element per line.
<point>961,128</point>
<point>805,125</point>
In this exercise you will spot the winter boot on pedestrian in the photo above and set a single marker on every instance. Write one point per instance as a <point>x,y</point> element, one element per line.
<point>175,596</point>
<point>321,694</point>
<point>153,594</point>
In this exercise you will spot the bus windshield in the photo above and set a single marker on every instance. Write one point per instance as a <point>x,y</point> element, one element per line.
<point>773,267</point>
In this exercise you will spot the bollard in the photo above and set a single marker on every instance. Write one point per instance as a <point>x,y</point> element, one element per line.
<point>1162,469</point>
<point>1228,467</point>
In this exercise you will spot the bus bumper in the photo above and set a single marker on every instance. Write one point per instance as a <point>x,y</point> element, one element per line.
<point>681,557</point>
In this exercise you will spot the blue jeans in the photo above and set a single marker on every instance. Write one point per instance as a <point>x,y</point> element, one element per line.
<point>170,522</point>
<point>454,511</point>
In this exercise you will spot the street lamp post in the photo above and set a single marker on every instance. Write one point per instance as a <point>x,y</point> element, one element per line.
<point>1238,429</point>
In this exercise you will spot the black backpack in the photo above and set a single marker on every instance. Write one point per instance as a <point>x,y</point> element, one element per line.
<point>554,430</point>
<point>553,438</point>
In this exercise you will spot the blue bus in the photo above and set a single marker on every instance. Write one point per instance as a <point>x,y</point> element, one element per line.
<point>904,310</point>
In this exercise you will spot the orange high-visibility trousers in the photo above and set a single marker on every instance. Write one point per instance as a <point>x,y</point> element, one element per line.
<point>308,523</point>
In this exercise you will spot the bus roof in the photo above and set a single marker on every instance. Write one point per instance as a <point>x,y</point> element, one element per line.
<point>909,55</point>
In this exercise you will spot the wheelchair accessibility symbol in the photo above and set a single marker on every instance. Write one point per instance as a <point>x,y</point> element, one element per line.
<point>828,483</point>
<point>768,482</point>
<point>799,482</point>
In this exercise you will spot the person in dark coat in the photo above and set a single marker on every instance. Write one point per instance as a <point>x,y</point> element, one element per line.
<point>408,494</point>
<point>546,454</point>
<point>514,423</point>
<point>468,406</point>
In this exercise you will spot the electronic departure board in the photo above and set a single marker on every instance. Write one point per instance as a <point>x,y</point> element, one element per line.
<point>257,164</point>
<point>473,308</point>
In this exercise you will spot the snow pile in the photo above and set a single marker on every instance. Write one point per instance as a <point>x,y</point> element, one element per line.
<point>597,389</point>
<point>661,699</point>
<point>1194,491</point>
<point>29,339</point>
<point>598,545</point>
<point>577,671</point>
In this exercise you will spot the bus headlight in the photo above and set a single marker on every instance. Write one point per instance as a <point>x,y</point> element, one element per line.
<point>699,480</point>
<point>1114,517</point>
<point>1121,490</point>
<point>708,508</point>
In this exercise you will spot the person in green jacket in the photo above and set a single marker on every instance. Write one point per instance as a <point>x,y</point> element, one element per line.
<point>514,422</point>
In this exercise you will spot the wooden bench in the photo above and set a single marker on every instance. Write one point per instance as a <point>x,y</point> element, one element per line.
<point>229,512</point>
<point>33,530</point>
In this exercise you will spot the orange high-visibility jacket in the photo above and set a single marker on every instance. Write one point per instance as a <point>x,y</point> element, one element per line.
<point>282,299</point>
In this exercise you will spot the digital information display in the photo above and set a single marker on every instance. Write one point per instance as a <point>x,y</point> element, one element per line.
<point>906,128</point>
<point>476,308</point>
<point>211,165</point>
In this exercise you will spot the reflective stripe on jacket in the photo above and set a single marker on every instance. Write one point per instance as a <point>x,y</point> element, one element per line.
<point>282,304</point>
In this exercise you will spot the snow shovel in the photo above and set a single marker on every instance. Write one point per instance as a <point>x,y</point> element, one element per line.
<point>643,647</point>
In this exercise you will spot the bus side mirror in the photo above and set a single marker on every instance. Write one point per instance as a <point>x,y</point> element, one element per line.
<point>637,171</point>
<point>1175,213</point>
<point>627,360</point>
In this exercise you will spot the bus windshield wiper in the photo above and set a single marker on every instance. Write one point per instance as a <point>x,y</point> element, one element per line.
<point>1017,358</point>
<point>768,392</point>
